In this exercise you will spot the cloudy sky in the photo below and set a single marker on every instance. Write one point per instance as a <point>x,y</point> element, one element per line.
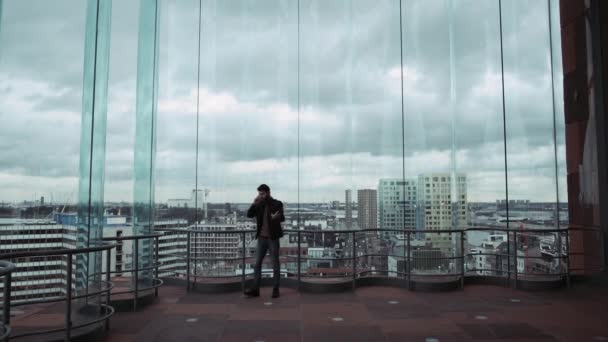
<point>339,125</point>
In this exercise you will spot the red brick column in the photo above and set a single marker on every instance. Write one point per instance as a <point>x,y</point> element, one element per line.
<point>584,91</point>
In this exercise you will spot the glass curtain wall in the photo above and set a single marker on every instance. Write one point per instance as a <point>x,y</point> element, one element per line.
<point>430,118</point>
<point>531,138</point>
<point>453,126</point>
<point>53,70</point>
<point>360,115</point>
<point>41,92</point>
<point>350,134</point>
<point>120,136</point>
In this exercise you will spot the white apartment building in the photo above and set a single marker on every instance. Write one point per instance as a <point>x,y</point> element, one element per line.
<point>442,205</point>
<point>396,205</point>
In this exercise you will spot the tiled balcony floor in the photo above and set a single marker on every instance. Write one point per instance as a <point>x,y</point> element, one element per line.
<point>479,313</point>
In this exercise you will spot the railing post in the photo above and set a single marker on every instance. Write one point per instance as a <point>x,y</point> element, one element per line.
<point>408,264</point>
<point>299,260</point>
<point>108,270</point>
<point>508,259</point>
<point>195,259</point>
<point>462,261</point>
<point>516,258</point>
<point>560,257</point>
<point>602,251</point>
<point>354,256</point>
<point>156,263</point>
<point>136,274</point>
<point>404,273</point>
<point>567,258</point>
<point>68,302</point>
<point>6,310</point>
<point>243,263</point>
<point>188,261</point>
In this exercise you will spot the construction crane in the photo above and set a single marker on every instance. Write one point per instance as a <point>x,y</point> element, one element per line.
<point>206,193</point>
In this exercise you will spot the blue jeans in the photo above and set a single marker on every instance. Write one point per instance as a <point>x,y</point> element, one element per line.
<point>265,244</point>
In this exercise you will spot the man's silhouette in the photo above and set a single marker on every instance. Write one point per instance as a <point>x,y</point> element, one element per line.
<point>269,215</point>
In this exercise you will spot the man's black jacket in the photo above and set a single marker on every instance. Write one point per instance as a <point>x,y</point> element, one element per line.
<point>257,211</point>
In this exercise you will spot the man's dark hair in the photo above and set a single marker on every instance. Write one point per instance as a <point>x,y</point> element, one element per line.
<point>264,188</point>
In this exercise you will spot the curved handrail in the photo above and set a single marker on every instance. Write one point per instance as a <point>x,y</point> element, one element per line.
<point>411,231</point>
<point>131,237</point>
<point>156,281</point>
<point>107,311</point>
<point>54,252</point>
<point>191,253</point>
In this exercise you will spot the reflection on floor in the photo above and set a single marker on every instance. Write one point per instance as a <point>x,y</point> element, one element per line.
<point>371,314</point>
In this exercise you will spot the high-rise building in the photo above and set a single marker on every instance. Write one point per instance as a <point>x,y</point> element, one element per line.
<point>367,208</point>
<point>442,205</point>
<point>40,277</point>
<point>397,205</point>
<point>348,209</point>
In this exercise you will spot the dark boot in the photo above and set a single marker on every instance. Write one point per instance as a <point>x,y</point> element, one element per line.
<point>275,293</point>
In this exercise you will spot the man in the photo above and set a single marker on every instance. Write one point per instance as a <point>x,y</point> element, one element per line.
<point>269,215</point>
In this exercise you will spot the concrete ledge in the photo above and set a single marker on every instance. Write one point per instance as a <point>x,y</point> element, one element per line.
<point>145,298</point>
<point>423,283</point>
<point>435,284</point>
<point>486,280</point>
<point>531,284</point>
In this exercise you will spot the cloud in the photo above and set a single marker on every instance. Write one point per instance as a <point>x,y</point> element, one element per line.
<point>342,117</point>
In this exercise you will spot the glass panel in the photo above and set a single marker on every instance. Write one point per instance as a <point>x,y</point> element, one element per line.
<point>41,87</point>
<point>560,124</point>
<point>475,83</point>
<point>120,142</point>
<point>560,129</point>
<point>250,83</point>
<point>429,56</point>
<point>531,163</point>
<point>177,129</point>
<point>350,143</point>
<point>247,107</point>
<point>145,132</point>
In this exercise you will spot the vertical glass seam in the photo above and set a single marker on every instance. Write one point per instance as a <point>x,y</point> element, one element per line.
<point>504,128</point>
<point>298,125</point>
<point>402,112</point>
<point>549,21</point>
<point>198,90</point>
<point>153,123</point>
<point>454,184</point>
<point>504,111</point>
<point>92,127</point>
<point>1,5</point>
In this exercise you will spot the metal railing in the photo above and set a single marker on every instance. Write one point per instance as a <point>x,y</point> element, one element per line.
<point>451,265</point>
<point>90,290</point>
<point>6,270</point>
<point>136,289</point>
